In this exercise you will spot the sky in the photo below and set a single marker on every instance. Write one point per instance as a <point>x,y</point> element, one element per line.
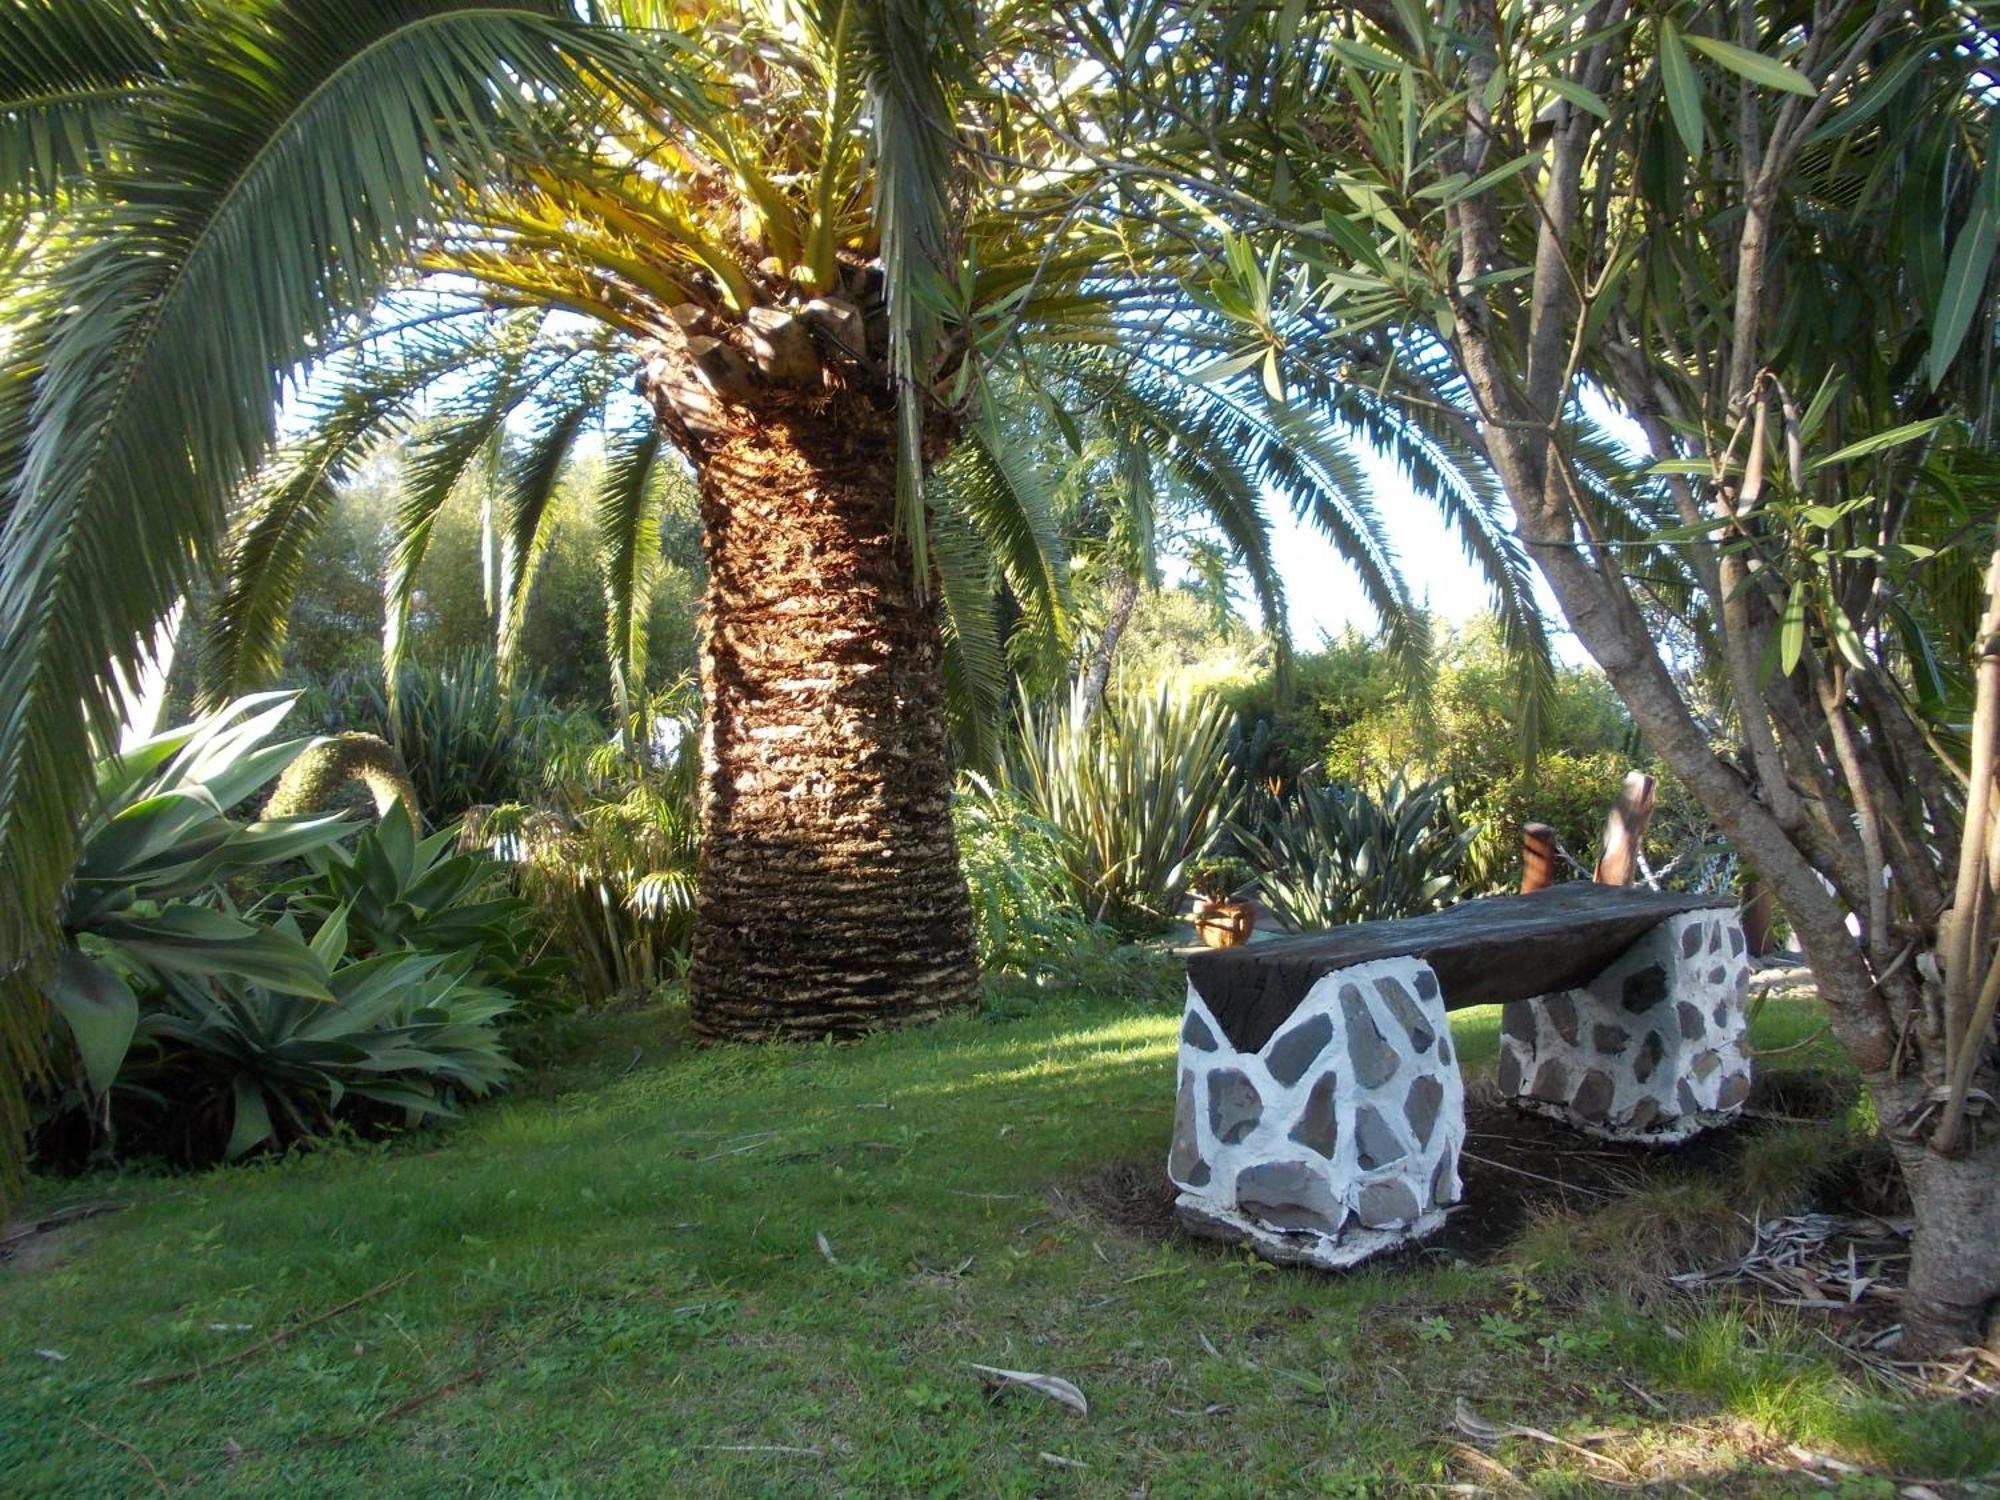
<point>1325,596</point>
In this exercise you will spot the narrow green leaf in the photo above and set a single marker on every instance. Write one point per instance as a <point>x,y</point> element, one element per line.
<point>1792,629</point>
<point>1578,95</point>
<point>1765,72</point>
<point>1895,436</point>
<point>1222,369</point>
<point>1683,89</point>
<point>1964,281</point>
<point>1492,179</point>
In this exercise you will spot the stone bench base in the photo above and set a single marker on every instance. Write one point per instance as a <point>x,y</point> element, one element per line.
<point>1652,1050</point>
<point>1339,1138</point>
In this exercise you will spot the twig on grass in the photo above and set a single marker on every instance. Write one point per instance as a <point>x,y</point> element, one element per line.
<point>112,1437</point>
<point>437,1392</point>
<point>55,1220</point>
<point>174,1377</point>
<point>761,1448</point>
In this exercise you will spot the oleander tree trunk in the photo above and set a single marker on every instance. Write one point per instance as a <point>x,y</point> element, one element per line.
<point>830,899</point>
<point>1885,873</point>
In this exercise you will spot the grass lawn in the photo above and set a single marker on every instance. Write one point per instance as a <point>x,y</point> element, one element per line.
<point>616,1285</point>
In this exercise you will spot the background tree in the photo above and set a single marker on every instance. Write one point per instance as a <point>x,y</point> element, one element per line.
<point>1766,230</point>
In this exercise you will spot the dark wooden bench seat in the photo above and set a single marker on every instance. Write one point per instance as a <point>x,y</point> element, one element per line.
<point>1483,952</point>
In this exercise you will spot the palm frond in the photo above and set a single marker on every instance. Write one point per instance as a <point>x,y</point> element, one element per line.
<point>529,513</point>
<point>976,680</point>
<point>243,638</point>
<point>628,534</point>
<point>69,69</point>
<point>473,424</point>
<point>913,51</point>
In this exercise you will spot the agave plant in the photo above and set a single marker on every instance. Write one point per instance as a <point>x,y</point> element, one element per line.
<point>232,1060</point>
<point>1333,855</point>
<point>1136,793</point>
<point>395,892</point>
<point>161,842</point>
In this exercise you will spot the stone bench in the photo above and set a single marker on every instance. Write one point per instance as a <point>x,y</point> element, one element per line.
<point>1321,1110</point>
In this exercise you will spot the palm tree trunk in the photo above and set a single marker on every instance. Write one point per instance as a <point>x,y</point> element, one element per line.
<point>830,898</point>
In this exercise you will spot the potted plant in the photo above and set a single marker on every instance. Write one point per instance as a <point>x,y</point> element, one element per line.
<point>1220,917</point>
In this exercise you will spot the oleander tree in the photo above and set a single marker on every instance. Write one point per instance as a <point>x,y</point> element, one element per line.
<point>1764,232</point>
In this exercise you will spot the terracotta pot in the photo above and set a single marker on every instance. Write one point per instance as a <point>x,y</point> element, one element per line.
<point>1224,924</point>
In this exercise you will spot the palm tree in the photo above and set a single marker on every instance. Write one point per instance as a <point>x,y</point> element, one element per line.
<point>808,234</point>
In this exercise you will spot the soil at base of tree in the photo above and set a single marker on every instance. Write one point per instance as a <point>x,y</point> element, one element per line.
<point>1517,1165</point>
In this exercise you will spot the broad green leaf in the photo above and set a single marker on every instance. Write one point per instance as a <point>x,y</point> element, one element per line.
<point>192,940</point>
<point>1683,89</point>
<point>101,1012</point>
<point>1766,72</point>
<point>329,944</point>
<point>253,1118</point>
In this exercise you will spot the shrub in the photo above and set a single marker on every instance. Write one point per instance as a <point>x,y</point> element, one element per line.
<point>1135,794</point>
<point>607,858</point>
<point>467,738</point>
<point>342,773</point>
<point>1021,908</point>
<point>1351,719</point>
<point>1334,855</point>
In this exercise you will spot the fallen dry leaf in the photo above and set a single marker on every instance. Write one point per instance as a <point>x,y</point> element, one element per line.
<point>1052,1386</point>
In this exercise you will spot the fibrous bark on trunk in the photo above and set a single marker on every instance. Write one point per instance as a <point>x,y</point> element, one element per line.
<point>830,898</point>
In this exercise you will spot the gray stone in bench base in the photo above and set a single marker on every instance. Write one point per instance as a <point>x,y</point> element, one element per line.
<point>1651,1050</point>
<point>1203,1220</point>
<point>1336,1139</point>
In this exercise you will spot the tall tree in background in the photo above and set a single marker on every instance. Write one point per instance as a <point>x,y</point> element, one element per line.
<point>1767,231</point>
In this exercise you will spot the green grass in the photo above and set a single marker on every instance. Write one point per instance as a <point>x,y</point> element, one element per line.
<point>621,1271</point>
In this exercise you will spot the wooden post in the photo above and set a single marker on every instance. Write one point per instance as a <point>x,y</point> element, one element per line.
<point>1538,857</point>
<point>1625,830</point>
